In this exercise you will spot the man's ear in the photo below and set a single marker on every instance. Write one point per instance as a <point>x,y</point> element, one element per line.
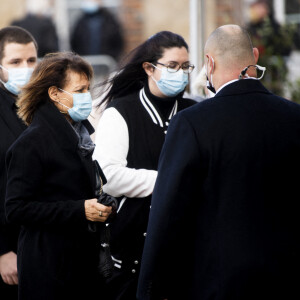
<point>53,93</point>
<point>148,68</point>
<point>256,54</point>
<point>210,64</point>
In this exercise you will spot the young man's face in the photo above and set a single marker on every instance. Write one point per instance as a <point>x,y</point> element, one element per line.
<point>18,56</point>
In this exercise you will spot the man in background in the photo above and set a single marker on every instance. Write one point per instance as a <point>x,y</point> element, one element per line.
<point>18,57</point>
<point>97,32</point>
<point>39,23</point>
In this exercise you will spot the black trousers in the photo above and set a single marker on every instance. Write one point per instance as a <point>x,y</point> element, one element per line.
<point>122,285</point>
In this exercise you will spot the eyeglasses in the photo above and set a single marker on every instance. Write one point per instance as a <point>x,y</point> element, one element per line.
<point>173,67</point>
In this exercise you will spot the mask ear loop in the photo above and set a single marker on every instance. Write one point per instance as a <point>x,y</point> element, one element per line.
<point>4,69</point>
<point>157,69</point>
<point>209,84</point>
<point>244,71</point>
<point>63,112</point>
<point>263,69</point>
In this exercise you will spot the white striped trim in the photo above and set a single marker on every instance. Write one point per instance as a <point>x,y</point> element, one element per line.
<point>152,111</point>
<point>146,107</point>
<point>116,260</point>
<point>121,203</point>
<point>150,108</point>
<point>174,110</point>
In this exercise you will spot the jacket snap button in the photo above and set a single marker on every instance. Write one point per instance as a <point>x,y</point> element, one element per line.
<point>133,271</point>
<point>136,262</point>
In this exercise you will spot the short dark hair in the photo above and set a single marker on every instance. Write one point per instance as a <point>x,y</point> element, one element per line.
<point>15,34</point>
<point>51,71</point>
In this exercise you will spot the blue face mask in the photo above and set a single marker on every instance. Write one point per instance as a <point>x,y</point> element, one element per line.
<point>171,84</point>
<point>17,78</point>
<point>82,106</point>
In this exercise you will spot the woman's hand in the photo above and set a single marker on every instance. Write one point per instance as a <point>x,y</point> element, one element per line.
<point>95,211</point>
<point>8,268</point>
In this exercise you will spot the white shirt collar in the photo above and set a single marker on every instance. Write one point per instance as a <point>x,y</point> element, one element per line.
<point>229,82</point>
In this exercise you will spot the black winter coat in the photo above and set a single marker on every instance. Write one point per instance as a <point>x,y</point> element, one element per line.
<point>48,182</point>
<point>98,33</point>
<point>10,128</point>
<point>224,220</point>
<point>43,30</point>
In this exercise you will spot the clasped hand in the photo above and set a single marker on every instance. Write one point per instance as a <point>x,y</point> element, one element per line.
<point>95,211</point>
<point>8,268</point>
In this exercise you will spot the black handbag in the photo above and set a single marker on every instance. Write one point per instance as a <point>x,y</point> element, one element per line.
<point>106,265</point>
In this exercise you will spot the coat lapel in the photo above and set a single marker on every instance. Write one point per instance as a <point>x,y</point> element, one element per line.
<point>243,86</point>
<point>67,138</point>
<point>9,115</point>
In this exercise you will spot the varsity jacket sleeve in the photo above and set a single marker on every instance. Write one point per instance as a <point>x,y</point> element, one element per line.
<point>112,144</point>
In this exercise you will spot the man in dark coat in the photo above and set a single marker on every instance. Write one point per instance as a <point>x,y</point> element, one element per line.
<point>18,50</point>
<point>224,215</point>
<point>97,32</point>
<point>43,30</point>
<point>39,23</point>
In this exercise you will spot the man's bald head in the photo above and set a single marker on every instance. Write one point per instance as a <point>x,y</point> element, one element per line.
<point>231,46</point>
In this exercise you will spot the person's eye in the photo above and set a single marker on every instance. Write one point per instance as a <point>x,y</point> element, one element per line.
<point>173,66</point>
<point>32,60</point>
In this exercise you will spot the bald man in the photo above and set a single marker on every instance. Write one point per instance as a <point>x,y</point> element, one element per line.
<point>224,214</point>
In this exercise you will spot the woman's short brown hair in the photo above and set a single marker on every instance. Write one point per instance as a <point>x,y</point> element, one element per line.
<point>51,71</point>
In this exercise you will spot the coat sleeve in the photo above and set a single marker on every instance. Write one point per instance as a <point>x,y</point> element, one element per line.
<point>112,144</point>
<point>171,209</point>
<point>26,169</point>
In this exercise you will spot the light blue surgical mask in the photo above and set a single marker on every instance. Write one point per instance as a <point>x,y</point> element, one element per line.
<point>82,106</point>
<point>171,84</point>
<point>17,78</point>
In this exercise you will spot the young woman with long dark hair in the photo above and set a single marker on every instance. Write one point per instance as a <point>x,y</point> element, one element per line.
<point>140,102</point>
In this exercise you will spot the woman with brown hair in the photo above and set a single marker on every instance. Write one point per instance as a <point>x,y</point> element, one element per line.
<point>51,184</point>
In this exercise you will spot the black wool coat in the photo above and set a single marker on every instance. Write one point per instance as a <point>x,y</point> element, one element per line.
<point>48,181</point>
<point>224,220</point>
<point>98,33</point>
<point>10,128</point>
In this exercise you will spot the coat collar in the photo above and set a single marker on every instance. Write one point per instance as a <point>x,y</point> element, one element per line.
<point>9,114</point>
<point>243,86</point>
<point>62,130</point>
<point>64,133</point>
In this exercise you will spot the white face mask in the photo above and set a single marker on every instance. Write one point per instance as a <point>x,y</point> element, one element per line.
<point>17,78</point>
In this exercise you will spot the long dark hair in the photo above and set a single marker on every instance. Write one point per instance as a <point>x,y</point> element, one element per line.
<point>131,76</point>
